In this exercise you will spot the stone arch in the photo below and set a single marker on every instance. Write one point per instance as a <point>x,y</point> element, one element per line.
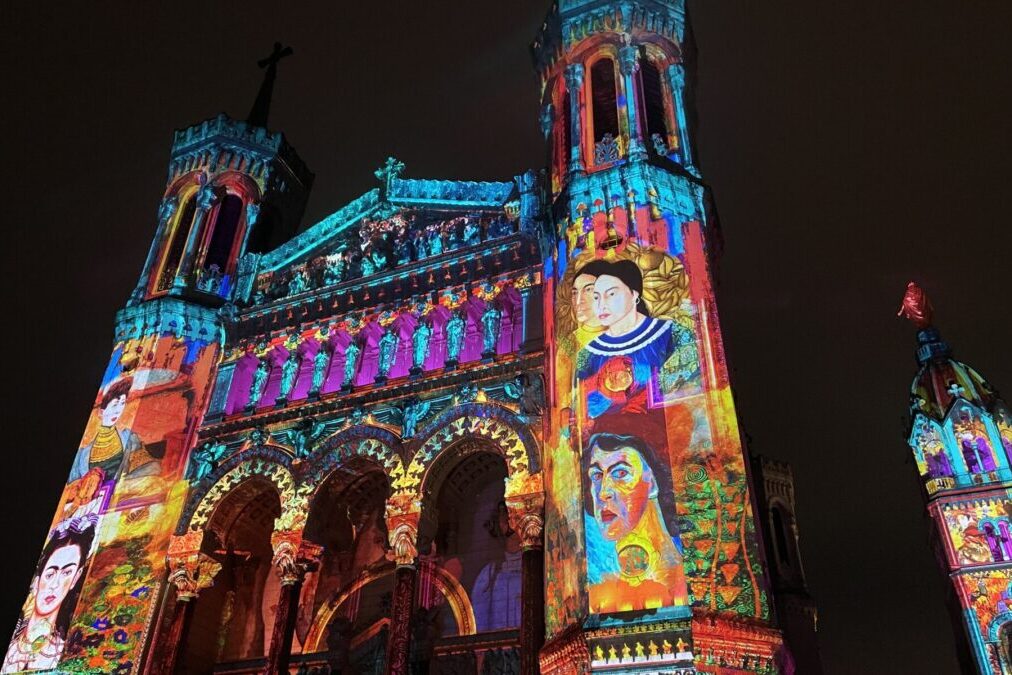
<point>267,462</point>
<point>499,427</point>
<point>455,594</point>
<point>371,443</point>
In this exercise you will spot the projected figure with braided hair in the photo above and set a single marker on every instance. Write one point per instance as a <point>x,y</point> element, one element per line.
<point>41,631</point>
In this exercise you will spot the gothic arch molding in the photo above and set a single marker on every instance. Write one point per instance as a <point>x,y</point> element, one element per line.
<point>492,423</point>
<point>268,462</point>
<point>372,443</point>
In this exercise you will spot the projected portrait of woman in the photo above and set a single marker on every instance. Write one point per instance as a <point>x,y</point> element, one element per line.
<point>638,359</point>
<point>41,631</point>
<point>634,555</point>
<point>114,451</point>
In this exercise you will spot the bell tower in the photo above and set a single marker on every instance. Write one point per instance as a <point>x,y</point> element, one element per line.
<point>961,437</point>
<point>234,187</point>
<point>653,558</point>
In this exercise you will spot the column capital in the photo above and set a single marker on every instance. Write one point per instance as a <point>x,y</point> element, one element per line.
<point>403,514</point>
<point>167,208</point>
<point>525,503</point>
<point>629,60</point>
<point>207,196</point>
<point>574,76</point>
<point>190,570</point>
<point>294,556</point>
<point>676,73</point>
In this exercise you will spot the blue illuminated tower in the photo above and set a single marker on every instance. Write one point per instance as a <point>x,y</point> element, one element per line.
<point>961,437</point>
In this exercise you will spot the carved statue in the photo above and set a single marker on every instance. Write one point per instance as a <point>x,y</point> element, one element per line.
<point>491,321</point>
<point>298,284</point>
<point>660,147</point>
<point>403,251</point>
<point>472,233</point>
<point>333,272</point>
<point>916,307</point>
<point>435,242</point>
<point>467,393</point>
<point>320,362</point>
<point>528,390</point>
<point>411,414</point>
<point>351,354</point>
<point>387,352</point>
<point>420,344</point>
<point>368,267</point>
<point>421,250</point>
<point>303,436</point>
<point>205,460</point>
<point>256,390</point>
<point>454,336</point>
<point>289,369</point>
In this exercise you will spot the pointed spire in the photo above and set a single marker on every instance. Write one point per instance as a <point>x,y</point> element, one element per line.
<point>262,105</point>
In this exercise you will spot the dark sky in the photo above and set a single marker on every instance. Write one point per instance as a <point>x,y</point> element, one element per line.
<point>851,146</point>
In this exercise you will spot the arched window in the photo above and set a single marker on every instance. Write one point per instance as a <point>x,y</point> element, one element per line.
<point>222,241</point>
<point>176,244</point>
<point>1005,539</point>
<point>780,536</point>
<point>604,108</point>
<point>993,542</point>
<point>652,111</point>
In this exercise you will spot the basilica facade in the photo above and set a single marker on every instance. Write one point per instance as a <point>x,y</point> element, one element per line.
<point>455,426</point>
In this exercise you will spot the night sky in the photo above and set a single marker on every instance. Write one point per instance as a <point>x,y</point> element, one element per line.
<point>851,146</point>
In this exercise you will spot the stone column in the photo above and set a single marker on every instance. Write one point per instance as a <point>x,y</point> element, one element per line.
<point>293,557</point>
<point>190,571</point>
<point>676,77</point>
<point>574,85</point>
<point>403,513</point>
<point>207,197</point>
<point>629,64</point>
<point>526,514</point>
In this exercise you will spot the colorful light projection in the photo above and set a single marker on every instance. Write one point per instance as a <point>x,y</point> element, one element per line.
<point>980,531</point>
<point>93,595</point>
<point>646,432</point>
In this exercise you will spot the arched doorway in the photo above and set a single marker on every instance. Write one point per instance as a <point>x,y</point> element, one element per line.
<point>468,600</point>
<point>232,619</point>
<point>345,606</point>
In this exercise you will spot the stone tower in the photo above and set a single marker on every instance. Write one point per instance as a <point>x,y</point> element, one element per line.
<point>961,436</point>
<point>652,555</point>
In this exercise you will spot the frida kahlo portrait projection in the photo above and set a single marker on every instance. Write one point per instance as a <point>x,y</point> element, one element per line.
<point>92,596</point>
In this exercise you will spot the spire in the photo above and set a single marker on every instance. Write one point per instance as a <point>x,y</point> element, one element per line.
<point>916,308</point>
<point>941,379</point>
<point>262,105</point>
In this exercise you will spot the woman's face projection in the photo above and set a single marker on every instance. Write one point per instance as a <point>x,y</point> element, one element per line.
<point>613,300</point>
<point>57,578</point>
<point>113,411</point>
<point>620,483</point>
<point>583,301</point>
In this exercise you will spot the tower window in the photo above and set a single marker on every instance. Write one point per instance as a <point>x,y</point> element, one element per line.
<point>780,536</point>
<point>652,107</point>
<point>176,245</point>
<point>222,241</point>
<point>604,106</point>
<point>993,542</point>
